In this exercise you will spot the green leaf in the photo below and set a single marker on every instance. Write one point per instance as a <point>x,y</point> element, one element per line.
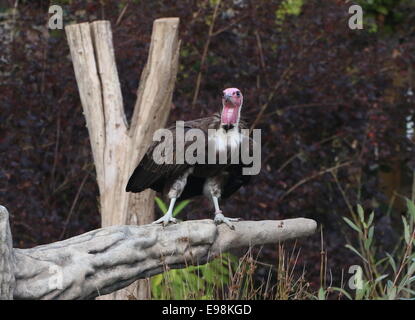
<point>161,205</point>
<point>370,233</point>
<point>378,279</point>
<point>352,225</point>
<point>411,292</point>
<point>411,269</point>
<point>403,283</point>
<point>209,275</point>
<point>180,207</point>
<point>355,251</point>
<point>288,7</point>
<point>372,215</point>
<point>392,262</point>
<point>360,293</point>
<point>156,280</point>
<point>383,10</point>
<point>368,241</point>
<point>392,293</point>
<point>381,261</point>
<point>361,213</point>
<point>407,235</point>
<point>321,294</point>
<point>213,3</point>
<point>193,282</point>
<point>411,208</point>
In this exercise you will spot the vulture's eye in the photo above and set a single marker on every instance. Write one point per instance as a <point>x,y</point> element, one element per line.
<point>238,93</point>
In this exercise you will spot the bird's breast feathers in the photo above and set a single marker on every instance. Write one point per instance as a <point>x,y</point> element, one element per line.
<point>226,139</point>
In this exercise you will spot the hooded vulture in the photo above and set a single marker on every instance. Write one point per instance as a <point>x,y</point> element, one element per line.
<point>187,179</point>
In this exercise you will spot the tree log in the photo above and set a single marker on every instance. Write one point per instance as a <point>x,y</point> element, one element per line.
<point>108,259</point>
<point>7,280</point>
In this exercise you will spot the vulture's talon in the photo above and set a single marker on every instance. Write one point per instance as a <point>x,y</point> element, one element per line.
<point>165,220</point>
<point>220,218</point>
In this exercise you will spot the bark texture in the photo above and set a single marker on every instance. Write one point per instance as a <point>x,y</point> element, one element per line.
<point>116,147</point>
<point>105,260</point>
<point>7,279</point>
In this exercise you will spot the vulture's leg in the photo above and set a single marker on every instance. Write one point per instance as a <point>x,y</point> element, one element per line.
<point>219,217</point>
<point>176,189</point>
<point>168,216</point>
<point>214,188</point>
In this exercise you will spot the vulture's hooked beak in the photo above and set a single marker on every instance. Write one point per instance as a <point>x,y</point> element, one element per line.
<point>227,127</point>
<point>228,98</point>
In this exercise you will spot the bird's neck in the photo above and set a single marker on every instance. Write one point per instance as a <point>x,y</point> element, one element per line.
<point>229,117</point>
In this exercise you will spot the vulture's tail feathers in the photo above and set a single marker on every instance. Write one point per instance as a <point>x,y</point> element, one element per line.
<point>142,179</point>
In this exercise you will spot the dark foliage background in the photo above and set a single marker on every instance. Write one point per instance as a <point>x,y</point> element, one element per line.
<point>334,106</point>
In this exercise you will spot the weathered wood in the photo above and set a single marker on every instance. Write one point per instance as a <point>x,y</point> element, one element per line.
<point>89,85</point>
<point>154,99</point>
<point>151,112</point>
<point>115,155</point>
<point>108,259</point>
<point>117,149</point>
<point>7,278</point>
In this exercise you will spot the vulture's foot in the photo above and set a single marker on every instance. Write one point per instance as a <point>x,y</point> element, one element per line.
<point>166,219</point>
<point>220,218</point>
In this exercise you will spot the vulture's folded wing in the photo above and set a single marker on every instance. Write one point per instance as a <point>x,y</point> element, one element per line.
<point>235,177</point>
<point>150,174</point>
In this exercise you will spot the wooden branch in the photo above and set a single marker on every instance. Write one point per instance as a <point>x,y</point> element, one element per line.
<point>113,198</point>
<point>152,108</point>
<point>7,279</point>
<point>117,149</point>
<point>156,86</point>
<point>108,259</point>
<point>89,85</point>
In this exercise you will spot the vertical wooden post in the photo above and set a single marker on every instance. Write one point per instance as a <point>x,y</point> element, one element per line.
<point>116,148</point>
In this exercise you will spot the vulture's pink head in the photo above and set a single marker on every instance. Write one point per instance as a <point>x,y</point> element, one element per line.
<point>232,104</point>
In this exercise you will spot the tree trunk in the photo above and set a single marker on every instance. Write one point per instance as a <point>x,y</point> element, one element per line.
<point>116,148</point>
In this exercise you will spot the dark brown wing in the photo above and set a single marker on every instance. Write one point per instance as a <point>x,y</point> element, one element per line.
<point>235,180</point>
<point>235,177</point>
<point>149,174</point>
